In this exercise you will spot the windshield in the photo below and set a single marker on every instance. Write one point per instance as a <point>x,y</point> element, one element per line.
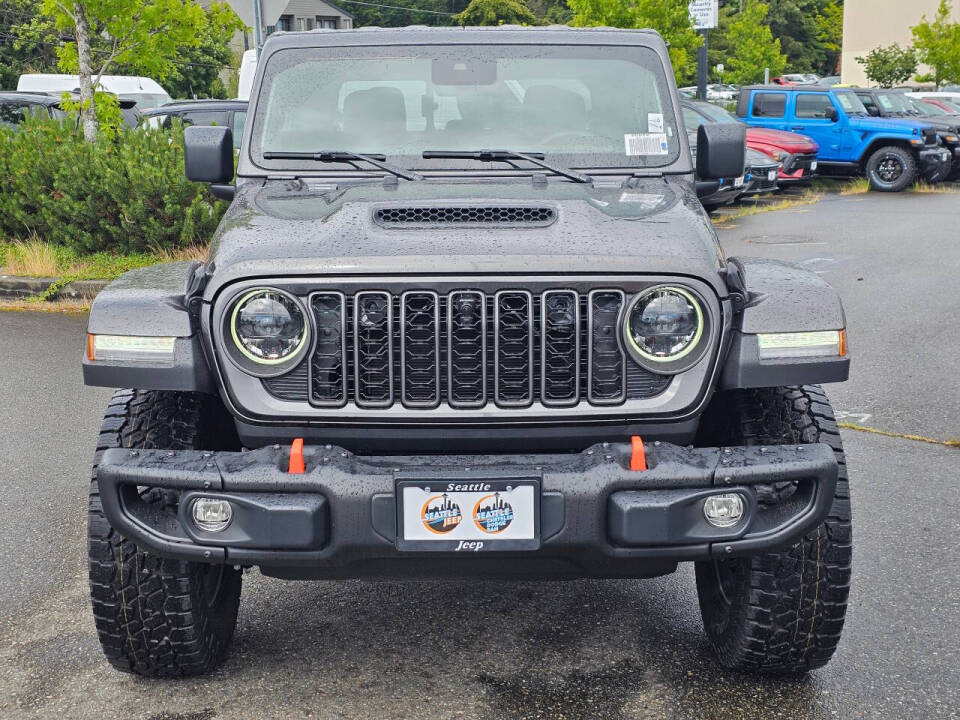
<point>585,107</point>
<point>925,108</point>
<point>894,102</point>
<point>716,114</point>
<point>850,103</point>
<point>146,101</point>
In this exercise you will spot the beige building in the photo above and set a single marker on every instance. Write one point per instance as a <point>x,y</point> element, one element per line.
<point>869,24</point>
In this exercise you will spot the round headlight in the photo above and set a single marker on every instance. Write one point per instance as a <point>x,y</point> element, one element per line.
<point>268,327</point>
<point>664,325</point>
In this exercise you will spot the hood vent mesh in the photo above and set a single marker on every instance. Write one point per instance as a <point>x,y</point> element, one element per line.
<point>466,215</point>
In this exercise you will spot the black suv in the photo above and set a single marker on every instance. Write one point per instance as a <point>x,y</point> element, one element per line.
<point>220,113</point>
<point>466,317</point>
<point>16,106</point>
<point>898,104</point>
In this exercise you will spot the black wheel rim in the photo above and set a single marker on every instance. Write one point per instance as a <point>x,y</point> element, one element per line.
<point>890,168</point>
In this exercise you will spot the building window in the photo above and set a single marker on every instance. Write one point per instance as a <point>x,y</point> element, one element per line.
<point>328,23</point>
<point>310,23</point>
<point>271,29</point>
<point>301,24</point>
<point>285,23</point>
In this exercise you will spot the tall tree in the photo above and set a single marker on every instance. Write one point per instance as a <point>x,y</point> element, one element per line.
<point>889,66</point>
<point>756,48</point>
<point>937,43</point>
<point>795,23</point>
<point>671,18</point>
<point>28,41</point>
<point>497,12</point>
<point>829,22</point>
<point>195,71</point>
<point>142,35</point>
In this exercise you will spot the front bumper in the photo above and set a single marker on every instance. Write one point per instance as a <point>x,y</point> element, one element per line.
<point>934,163</point>
<point>339,517</point>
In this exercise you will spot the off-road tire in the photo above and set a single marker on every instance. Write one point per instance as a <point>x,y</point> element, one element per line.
<point>893,153</point>
<point>783,611</point>
<point>157,617</point>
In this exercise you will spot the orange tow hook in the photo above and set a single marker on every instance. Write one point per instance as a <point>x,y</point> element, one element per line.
<point>296,458</point>
<point>638,456</point>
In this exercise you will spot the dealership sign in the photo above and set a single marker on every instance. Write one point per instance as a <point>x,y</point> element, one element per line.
<point>704,14</point>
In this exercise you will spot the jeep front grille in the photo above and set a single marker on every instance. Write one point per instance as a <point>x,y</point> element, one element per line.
<point>467,348</point>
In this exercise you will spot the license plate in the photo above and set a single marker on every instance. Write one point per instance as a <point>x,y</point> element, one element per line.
<point>813,166</point>
<point>772,175</point>
<point>738,182</point>
<point>468,515</point>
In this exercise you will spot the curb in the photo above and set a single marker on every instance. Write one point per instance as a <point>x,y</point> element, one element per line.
<point>14,287</point>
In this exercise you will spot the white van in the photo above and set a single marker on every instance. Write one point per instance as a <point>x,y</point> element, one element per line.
<point>248,68</point>
<point>146,92</point>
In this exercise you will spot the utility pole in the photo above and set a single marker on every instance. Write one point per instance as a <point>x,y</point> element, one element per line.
<point>257,27</point>
<point>702,67</point>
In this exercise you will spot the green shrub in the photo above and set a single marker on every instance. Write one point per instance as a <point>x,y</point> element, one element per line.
<point>121,194</point>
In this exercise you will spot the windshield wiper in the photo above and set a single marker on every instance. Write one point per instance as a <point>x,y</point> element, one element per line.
<point>506,156</point>
<point>332,156</point>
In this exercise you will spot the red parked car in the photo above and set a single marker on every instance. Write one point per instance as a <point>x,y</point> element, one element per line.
<point>797,154</point>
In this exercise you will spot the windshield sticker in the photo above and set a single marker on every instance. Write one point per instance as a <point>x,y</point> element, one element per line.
<point>655,122</point>
<point>645,144</point>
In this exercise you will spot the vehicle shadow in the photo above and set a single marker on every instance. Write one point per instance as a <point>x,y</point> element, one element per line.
<point>576,649</point>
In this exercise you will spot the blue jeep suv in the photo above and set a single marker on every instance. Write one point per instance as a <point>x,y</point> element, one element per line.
<point>892,152</point>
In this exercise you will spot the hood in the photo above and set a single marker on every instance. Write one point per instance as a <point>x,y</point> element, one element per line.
<point>294,227</point>
<point>788,141</point>
<point>881,124</point>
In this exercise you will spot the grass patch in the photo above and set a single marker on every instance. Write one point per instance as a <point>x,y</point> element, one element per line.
<point>922,187</point>
<point>746,209</point>
<point>70,307</point>
<point>34,258</point>
<point>857,186</point>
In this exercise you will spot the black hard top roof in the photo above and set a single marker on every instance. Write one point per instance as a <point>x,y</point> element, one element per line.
<point>416,34</point>
<point>37,98</point>
<point>188,105</point>
<point>794,88</point>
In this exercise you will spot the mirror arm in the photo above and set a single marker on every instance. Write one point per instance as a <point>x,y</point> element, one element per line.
<point>224,192</point>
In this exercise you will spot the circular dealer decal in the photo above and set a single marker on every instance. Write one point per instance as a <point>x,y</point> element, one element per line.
<point>492,514</point>
<point>440,514</point>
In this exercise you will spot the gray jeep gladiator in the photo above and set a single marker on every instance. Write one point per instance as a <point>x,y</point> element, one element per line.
<point>465,317</point>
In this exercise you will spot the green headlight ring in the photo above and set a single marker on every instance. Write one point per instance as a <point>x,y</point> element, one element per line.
<point>246,353</point>
<point>688,349</point>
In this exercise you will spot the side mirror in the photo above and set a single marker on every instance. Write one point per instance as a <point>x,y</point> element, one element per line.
<point>721,150</point>
<point>832,114</point>
<point>208,154</point>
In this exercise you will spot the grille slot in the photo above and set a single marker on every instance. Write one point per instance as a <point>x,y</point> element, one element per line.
<point>513,348</point>
<point>468,215</point>
<point>373,349</point>
<point>328,377</point>
<point>605,364</point>
<point>467,348</point>
<point>420,348</point>
<point>560,349</point>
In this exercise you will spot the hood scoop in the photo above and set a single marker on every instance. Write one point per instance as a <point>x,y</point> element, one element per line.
<point>465,216</point>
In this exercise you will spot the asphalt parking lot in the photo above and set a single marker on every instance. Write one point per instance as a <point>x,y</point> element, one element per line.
<point>586,649</point>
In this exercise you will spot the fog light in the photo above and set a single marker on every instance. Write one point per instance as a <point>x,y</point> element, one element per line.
<point>723,511</point>
<point>211,515</point>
